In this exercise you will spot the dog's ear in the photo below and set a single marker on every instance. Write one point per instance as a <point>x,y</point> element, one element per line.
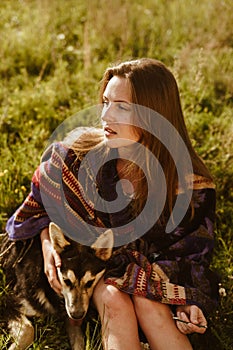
<point>103,245</point>
<point>57,237</point>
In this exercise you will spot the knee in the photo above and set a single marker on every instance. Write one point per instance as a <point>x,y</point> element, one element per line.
<point>113,298</point>
<point>110,301</point>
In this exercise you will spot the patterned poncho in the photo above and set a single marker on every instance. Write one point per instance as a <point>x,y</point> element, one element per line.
<point>172,268</point>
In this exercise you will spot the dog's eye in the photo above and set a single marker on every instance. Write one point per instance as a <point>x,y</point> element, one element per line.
<point>68,282</point>
<point>89,283</point>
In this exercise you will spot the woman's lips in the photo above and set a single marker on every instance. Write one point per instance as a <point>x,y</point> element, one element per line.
<point>109,131</point>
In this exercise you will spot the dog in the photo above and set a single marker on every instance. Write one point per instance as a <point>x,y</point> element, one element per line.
<point>31,295</point>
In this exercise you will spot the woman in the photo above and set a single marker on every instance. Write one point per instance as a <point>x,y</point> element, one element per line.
<point>154,272</point>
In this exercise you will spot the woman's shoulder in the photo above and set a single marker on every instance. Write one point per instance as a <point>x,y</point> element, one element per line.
<point>196,182</point>
<point>199,182</point>
<point>55,149</point>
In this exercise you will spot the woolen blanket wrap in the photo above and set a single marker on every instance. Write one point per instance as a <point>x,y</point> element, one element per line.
<point>172,268</point>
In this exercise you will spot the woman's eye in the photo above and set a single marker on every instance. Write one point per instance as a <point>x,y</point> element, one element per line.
<point>124,107</point>
<point>121,106</point>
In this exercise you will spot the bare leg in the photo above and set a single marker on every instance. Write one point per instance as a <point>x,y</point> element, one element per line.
<point>158,326</point>
<point>118,319</point>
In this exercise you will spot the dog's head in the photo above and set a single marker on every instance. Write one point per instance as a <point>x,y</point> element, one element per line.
<point>81,269</point>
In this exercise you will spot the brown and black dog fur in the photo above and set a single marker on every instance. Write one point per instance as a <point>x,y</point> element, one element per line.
<point>81,269</point>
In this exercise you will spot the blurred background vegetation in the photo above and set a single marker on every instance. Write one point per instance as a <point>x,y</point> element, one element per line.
<point>52,57</point>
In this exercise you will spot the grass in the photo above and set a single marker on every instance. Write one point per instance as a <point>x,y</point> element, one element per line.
<point>52,57</point>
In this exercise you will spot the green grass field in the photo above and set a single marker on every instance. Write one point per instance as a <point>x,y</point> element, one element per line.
<point>52,57</point>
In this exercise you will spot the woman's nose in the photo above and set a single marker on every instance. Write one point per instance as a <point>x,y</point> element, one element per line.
<point>107,113</point>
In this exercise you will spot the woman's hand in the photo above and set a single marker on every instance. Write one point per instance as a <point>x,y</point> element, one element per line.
<point>52,260</point>
<point>194,316</point>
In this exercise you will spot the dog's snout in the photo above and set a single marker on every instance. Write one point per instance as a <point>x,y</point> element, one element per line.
<point>77,315</point>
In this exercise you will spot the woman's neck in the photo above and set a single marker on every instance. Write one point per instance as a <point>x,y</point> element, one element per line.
<point>128,152</point>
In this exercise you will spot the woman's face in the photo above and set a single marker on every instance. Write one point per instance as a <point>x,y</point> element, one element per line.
<point>117,113</point>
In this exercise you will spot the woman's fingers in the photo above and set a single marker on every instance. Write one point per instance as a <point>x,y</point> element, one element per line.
<point>57,259</point>
<point>52,261</point>
<point>198,319</point>
<point>185,327</point>
<point>194,322</point>
<point>53,280</point>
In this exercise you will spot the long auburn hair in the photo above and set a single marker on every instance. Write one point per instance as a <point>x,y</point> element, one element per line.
<point>154,86</point>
